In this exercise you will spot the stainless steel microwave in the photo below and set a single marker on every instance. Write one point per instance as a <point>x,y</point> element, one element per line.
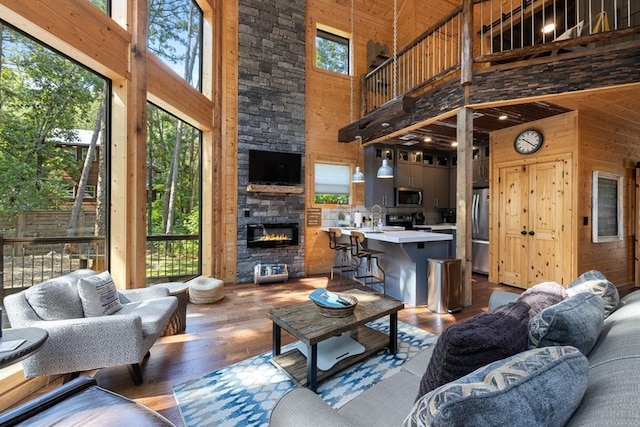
<point>408,196</point>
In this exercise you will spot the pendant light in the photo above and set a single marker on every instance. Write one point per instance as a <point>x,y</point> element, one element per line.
<point>386,171</point>
<point>357,176</point>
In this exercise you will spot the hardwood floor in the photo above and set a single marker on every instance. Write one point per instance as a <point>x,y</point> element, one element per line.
<point>237,328</point>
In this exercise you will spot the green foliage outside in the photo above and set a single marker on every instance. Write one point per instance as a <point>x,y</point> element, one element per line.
<point>332,55</point>
<point>43,98</point>
<point>332,199</point>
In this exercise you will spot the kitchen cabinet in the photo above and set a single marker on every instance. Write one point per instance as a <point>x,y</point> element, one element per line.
<point>436,181</point>
<point>481,167</point>
<point>409,168</point>
<point>378,191</point>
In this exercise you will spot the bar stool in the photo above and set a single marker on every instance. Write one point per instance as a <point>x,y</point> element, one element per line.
<point>342,249</point>
<point>360,252</point>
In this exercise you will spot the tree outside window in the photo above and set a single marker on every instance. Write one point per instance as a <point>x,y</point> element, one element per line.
<point>332,52</point>
<point>175,36</point>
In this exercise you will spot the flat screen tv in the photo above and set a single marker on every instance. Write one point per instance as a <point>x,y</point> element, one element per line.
<point>276,168</point>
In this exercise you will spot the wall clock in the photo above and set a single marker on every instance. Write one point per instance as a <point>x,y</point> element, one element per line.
<point>528,141</point>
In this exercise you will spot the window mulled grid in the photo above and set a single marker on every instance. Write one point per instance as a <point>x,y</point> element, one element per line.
<point>332,52</point>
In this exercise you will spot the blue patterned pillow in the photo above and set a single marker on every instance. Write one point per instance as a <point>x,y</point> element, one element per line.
<point>542,386</point>
<point>576,321</point>
<point>595,282</point>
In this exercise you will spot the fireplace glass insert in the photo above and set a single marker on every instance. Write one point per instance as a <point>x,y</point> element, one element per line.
<point>272,235</point>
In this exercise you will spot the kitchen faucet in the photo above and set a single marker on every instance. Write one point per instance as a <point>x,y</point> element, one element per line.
<point>373,216</point>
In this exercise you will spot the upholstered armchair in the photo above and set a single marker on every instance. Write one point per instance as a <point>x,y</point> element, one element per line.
<point>91,325</point>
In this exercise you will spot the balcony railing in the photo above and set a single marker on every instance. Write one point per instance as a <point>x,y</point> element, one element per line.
<point>28,260</point>
<point>502,31</point>
<point>25,261</point>
<point>172,256</point>
<point>433,55</point>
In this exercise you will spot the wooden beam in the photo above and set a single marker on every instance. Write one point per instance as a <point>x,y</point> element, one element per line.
<point>174,94</point>
<point>275,189</point>
<point>370,127</point>
<point>75,29</point>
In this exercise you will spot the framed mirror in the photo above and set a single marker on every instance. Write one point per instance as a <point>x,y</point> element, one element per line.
<point>607,207</point>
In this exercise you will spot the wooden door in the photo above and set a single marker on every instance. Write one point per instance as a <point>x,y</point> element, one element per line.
<point>545,225</point>
<point>513,187</point>
<point>533,210</point>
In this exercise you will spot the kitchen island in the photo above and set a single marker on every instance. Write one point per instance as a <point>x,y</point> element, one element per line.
<point>405,259</point>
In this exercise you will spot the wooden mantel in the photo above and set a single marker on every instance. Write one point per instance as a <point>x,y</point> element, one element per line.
<point>275,189</point>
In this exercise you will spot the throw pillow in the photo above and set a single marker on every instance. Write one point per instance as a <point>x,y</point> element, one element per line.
<point>576,321</point>
<point>57,298</point>
<point>468,345</point>
<point>594,282</point>
<point>99,295</point>
<point>543,295</point>
<point>540,387</point>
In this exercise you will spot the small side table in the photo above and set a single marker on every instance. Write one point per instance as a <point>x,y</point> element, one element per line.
<point>178,321</point>
<point>34,337</point>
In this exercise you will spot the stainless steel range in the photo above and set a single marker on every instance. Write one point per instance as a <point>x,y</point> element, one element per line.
<point>400,220</point>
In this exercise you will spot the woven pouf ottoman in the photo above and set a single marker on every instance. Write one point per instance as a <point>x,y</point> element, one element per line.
<point>205,290</point>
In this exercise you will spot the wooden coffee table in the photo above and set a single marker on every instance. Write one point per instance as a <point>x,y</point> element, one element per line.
<point>305,323</point>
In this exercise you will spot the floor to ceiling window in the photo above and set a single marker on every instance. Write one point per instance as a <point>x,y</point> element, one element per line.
<point>173,147</point>
<point>53,173</point>
<point>173,196</point>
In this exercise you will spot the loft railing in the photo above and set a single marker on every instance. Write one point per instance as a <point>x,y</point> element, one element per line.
<point>434,54</point>
<point>508,25</point>
<point>503,30</point>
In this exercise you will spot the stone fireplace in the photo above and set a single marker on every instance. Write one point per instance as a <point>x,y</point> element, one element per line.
<point>272,235</point>
<point>271,105</point>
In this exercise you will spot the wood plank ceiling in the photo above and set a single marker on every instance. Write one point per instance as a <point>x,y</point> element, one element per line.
<point>623,102</point>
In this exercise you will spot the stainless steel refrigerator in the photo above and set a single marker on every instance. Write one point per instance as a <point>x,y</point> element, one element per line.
<point>480,231</point>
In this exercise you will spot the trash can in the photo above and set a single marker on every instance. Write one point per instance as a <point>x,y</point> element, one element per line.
<point>444,285</point>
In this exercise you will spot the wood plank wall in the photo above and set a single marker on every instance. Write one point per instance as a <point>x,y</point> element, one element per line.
<point>328,104</point>
<point>559,140</point>
<point>611,144</point>
<point>598,140</point>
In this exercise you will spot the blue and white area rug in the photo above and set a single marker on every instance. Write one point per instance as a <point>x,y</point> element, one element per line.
<point>244,393</point>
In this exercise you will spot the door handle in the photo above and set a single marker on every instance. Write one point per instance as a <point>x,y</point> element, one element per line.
<point>531,233</point>
<point>523,232</point>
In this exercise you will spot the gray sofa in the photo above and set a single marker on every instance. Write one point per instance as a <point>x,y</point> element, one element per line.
<point>80,342</point>
<point>609,395</point>
<point>81,402</point>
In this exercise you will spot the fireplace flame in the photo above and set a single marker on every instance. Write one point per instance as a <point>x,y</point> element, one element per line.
<point>270,237</point>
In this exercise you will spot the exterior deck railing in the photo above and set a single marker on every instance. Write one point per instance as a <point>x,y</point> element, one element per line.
<point>25,261</point>
<point>502,31</point>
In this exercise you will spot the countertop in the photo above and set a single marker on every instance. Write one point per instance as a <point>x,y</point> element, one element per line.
<point>397,235</point>
<point>436,226</point>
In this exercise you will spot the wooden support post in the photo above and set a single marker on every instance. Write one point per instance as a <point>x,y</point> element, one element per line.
<point>464,194</point>
<point>466,65</point>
